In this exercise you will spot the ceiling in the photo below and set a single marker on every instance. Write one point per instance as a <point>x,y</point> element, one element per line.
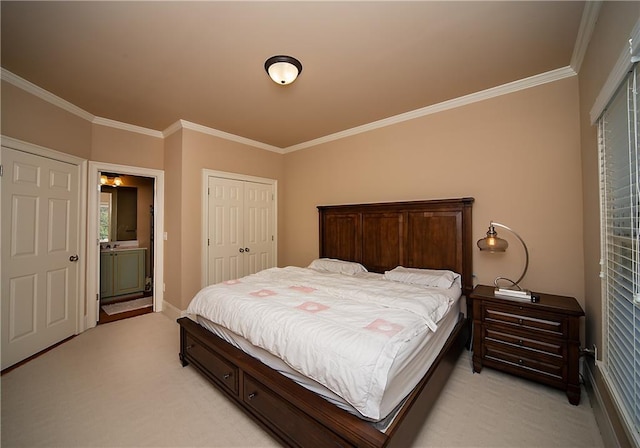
<point>151,64</point>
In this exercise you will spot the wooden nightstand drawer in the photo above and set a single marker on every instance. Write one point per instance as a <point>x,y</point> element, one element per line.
<point>552,349</point>
<point>539,341</point>
<point>519,360</point>
<point>544,324</point>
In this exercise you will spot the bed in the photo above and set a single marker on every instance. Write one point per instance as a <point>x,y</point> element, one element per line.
<point>432,235</point>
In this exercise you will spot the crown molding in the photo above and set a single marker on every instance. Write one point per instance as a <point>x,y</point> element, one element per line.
<point>587,25</point>
<point>515,86</point>
<point>493,92</point>
<point>43,94</point>
<point>629,54</point>
<point>225,135</point>
<point>172,128</point>
<point>127,127</point>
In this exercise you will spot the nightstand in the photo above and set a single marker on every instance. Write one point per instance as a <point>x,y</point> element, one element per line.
<point>539,341</point>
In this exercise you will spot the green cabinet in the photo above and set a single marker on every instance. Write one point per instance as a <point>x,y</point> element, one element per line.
<point>122,272</point>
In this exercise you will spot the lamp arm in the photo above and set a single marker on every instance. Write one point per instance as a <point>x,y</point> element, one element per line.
<point>526,253</point>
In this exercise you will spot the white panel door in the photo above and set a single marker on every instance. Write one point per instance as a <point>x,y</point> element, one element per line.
<point>258,229</point>
<point>225,232</point>
<point>240,228</point>
<point>40,200</point>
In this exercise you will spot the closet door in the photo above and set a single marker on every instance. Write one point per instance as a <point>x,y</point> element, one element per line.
<point>225,230</point>
<point>240,228</point>
<point>258,227</point>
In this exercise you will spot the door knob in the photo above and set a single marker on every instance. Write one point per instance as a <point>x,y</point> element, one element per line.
<point>246,249</point>
<point>73,258</point>
<point>241,250</point>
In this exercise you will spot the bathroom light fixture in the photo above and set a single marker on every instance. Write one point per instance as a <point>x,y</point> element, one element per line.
<point>110,179</point>
<point>283,69</point>
<point>492,243</point>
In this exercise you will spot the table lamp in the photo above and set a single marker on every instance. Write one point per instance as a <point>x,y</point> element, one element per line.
<point>492,243</point>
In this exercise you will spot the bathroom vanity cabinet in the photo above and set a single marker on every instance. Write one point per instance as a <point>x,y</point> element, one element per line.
<point>122,271</point>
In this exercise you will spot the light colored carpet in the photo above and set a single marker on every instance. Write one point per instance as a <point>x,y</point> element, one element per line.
<point>129,305</point>
<point>121,385</point>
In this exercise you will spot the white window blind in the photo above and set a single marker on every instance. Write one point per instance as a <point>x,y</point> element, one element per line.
<point>620,224</point>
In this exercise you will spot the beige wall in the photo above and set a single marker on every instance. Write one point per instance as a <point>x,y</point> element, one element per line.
<point>31,119</point>
<point>111,145</point>
<point>201,151</point>
<point>173,219</point>
<point>531,135</point>
<point>613,29</point>
<point>517,154</point>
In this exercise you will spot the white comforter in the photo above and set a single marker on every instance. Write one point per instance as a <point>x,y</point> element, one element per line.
<point>342,331</point>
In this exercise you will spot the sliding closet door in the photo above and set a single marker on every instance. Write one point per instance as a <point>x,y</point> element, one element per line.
<point>240,228</point>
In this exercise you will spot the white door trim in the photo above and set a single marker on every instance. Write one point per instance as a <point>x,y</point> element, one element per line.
<point>206,173</point>
<point>41,151</point>
<point>93,251</point>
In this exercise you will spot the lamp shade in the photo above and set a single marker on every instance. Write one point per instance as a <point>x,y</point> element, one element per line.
<point>492,243</point>
<point>283,69</point>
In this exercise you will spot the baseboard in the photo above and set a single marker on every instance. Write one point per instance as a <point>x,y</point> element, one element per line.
<point>602,410</point>
<point>171,311</point>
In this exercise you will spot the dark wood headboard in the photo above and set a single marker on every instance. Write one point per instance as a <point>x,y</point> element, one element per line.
<point>433,234</point>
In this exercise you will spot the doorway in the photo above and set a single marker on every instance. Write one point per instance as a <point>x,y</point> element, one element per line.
<point>125,274</point>
<point>126,236</point>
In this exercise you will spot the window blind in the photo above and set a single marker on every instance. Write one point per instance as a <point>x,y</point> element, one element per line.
<point>620,224</point>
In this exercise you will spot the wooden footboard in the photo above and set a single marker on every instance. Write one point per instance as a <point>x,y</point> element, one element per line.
<point>296,416</point>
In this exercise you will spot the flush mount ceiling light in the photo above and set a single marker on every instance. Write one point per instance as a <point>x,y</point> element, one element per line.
<point>283,69</point>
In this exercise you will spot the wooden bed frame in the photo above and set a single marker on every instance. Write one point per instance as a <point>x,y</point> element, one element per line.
<point>426,234</point>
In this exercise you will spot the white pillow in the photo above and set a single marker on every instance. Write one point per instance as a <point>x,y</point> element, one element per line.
<point>340,266</point>
<point>425,277</point>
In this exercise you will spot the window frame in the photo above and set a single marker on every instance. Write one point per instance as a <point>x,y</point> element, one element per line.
<point>620,245</point>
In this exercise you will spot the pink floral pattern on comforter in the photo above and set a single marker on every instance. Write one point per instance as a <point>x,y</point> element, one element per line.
<point>339,330</point>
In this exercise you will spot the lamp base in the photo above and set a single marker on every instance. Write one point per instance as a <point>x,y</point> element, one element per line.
<point>518,294</point>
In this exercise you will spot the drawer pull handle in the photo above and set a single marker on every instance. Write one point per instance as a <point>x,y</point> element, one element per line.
<point>227,376</point>
<point>520,342</point>
<point>189,347</point>
<point>251,396</point>
<point>520,321</point>
<point>519,361</point>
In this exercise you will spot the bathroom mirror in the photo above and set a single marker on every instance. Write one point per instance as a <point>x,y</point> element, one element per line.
<point>118,213</point>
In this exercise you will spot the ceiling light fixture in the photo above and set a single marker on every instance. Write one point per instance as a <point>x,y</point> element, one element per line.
<point>283,69</point>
